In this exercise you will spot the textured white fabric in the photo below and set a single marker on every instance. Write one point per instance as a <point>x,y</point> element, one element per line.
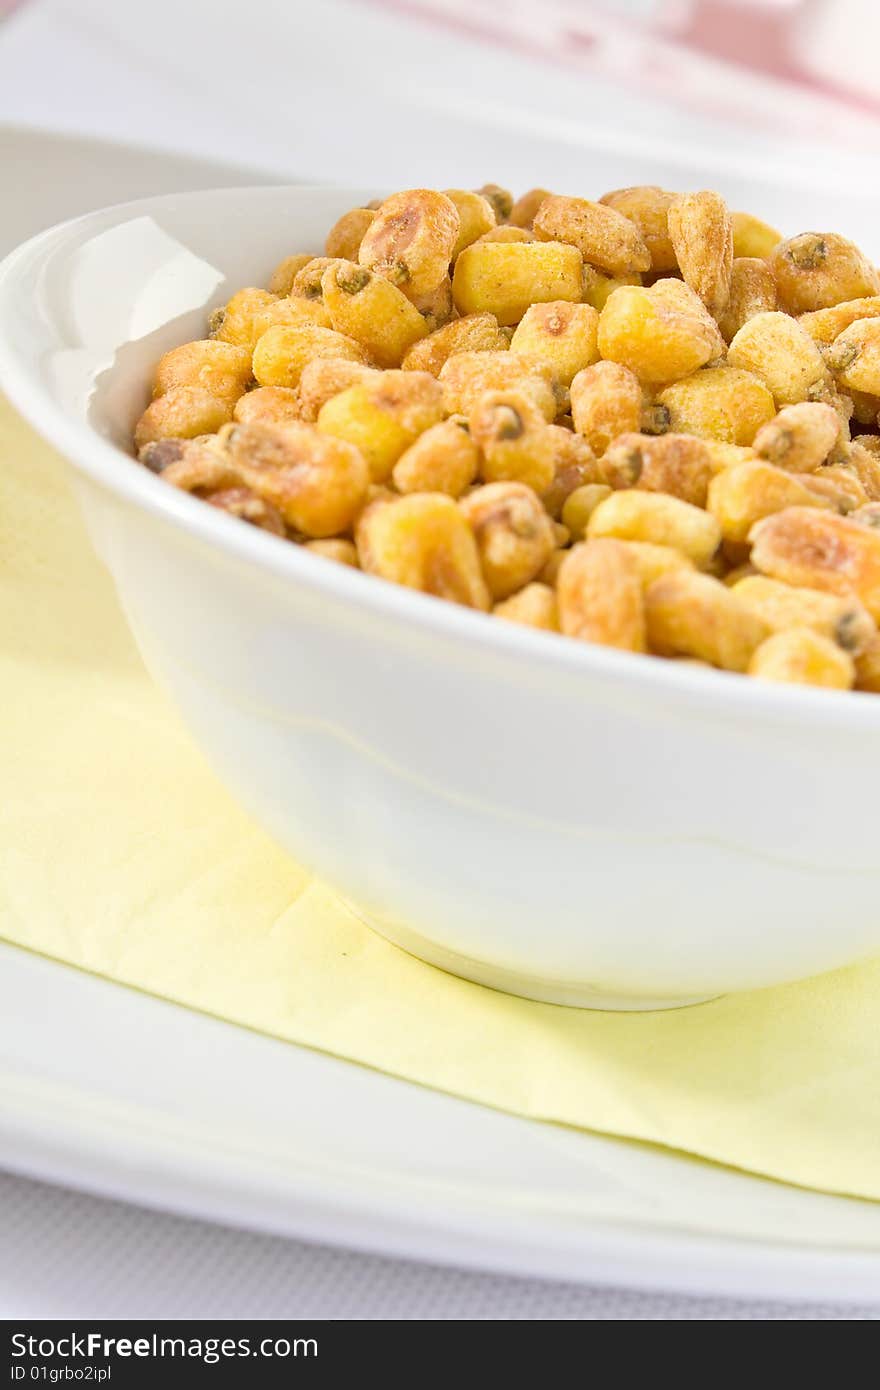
<point>67,1255</point>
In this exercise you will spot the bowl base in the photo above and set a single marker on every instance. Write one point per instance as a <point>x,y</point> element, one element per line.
<point>573,995</point>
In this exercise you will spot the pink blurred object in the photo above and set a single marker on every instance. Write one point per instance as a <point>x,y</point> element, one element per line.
<point>782,64</point>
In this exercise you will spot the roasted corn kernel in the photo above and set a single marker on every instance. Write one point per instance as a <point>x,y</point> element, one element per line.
<point>282,277</point>
<point>372,311</point>
<point>345,236</point>
<point>678,464</point>
<point>466,376</point>
<point>604,237</point>
<point>648,206</point>
<point>560,335</point>
<point>724,403</point>
<point>854,356</point>
<point>343,552</point>
<point>500,198</point>
<point>534,606</point>
<point>243,503</point>
<point>513,438</point>
<point>443,459</point>
<point>752,237</point>
<point>701,233</point>
<point>747,492</point>
<point>690,614</point>
<point>282,352</point>
<point>752,291</point>
<point>324,377</point>
<point>183,412</point>
<point>778,350</point>
<point>384,416</point>
<point>661,333</point>
<point>233,322</point>
<point>505,278</point>
<point>800,437</point>
<point>606,400</point>
<point>599,591</point>
<point>476,216</point>
<point>574,466</point>
<point>632,515</point>
<point>268,405</point>
<point>316,483</point>
<point>820,550</point>
<point>801,656</point>
<point>514,534</point>
<point>473,333</point>
<point>219,368</point>
<point>842,620</point>
<point>819,269</point>
<point>522,214</point>
<point>423,542</point>
<point>411,240</point>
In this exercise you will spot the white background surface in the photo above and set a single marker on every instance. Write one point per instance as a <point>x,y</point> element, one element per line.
<point>82,69</point>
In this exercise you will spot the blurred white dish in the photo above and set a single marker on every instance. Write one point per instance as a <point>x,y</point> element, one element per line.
<point>560,820</point>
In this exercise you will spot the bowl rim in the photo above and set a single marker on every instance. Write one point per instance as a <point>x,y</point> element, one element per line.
<point>103,462</point>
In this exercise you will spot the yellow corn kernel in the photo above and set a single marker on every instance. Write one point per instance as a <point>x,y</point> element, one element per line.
<point>800,656</point>
<point>632,515</point>
<point>854,357</point>
<point>243,503</point>
<point>500,198</point>
<point>561,335</point>
<point>411,240</point>
<point>293,310</point>
<point>183,412</point>
<point>800,437</point>
<point>752,237</point>
<point>466,376</point>
<point>383,417</point>
<point>603,237</point>
<point>656,560</point>
<point>574,466</point>
<point>819,269</point>
<point>606,400</point>
<point>268,405</point>
<point>504,232</point>
<point>219,368</point>
<point>476,216</point>
<point>513,438</point>
<point>307,281</point>
<point>824,325</point>
<point>820,550</point>
<point>690,614</point>
<point>868,668</point>
<point>522,214</point>
<point>661,333</point>
<point>779,351</point>
<point>324,377</point>
<point>837,486</point>
<point>752,291</point>
<point>865,464</point>
<point>341,551</point>
<point>598,288</point>
<point>234,321</point>
<point>842,620</point>
<point>648,206</point>
<point>282,277</point>
<point>723,403</point>
<point>726,455</point>
<point>282,352</point>
<point>345,236</point>
<point>505,278</point>
<point>747,492</point>
<point>701,232</point>
<point>473,333</point>
<point>515,536</point>
<point>580,505</point>
<point>599,591</point>
<point>534,606</point>
<point>679,464</point>
<point>372,311</point>
<point>318,484</point>
<point>443,459</point>
<point>423,542</point>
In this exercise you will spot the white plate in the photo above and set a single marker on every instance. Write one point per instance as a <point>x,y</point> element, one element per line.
<point>120,1094</point>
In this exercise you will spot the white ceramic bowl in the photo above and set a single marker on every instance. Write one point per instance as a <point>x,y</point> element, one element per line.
<point>559,820</point>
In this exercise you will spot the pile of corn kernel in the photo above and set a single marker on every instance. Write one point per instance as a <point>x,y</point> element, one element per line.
<point>645,422</point>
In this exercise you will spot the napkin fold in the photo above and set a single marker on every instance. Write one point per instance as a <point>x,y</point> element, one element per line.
<point>121,854</point>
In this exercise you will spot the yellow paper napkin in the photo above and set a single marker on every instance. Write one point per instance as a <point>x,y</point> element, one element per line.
<point>121,854</point>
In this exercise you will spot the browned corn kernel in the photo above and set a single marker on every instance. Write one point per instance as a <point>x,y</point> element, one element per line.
<point>632,515</point>
<point>343,552</point>
<point>723,403</point>
<point>800,438</point>
<point>868,668</point>
<point>574,466</point>
<point>854,356</point>
<point>411,240</point>
<point>819,269</point>
<point>243,502</point>
<point>522,214</point>
<point>801,656</point>
<point>201,466</point>
<point>282,277</point>
<point>268,405</point>
<point>655,418</point>
<point>443,459</point>
<point>579,506</point>
<point>752,291</point>
<point>384,416</point>
<point>533,606</point>
<point>317,484</point>
<point>690,614</point>
<point>475,214</point>
<point>182,413</point>
<point>345,236</point>
<point>505,278</point>
<point>515,536</point>
<point>438,307</point>
<point>778,350</point>
<point>656,560</point>
<point>599,591</point>
<point>159,454</point>
<point>372,311</point>
<point>746,492</point>
<point>504,232</point>
<point>679,464</point>
<point>752,237</point>
<point>726,455</point>
<point>701,232</point>
<point>648,206</point>
<point>219,368</point>
<point>307,282</point>
<point>604,237</point>
<point>234,321</point>
<point>513,438</point>
<point>292,310</point>
<point>841,620</point>
<point>473,333</point>
<point>606,400</point>
<point>824,325</point>
<point>325,377</point>
<point>820,550</point>
<point>465,376</point>
<point>561,335</point>
<point>423,542</point>
<point>500,198</point>
<point>838,486</point>
<point>661,333</point>
<point>282,352</point>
